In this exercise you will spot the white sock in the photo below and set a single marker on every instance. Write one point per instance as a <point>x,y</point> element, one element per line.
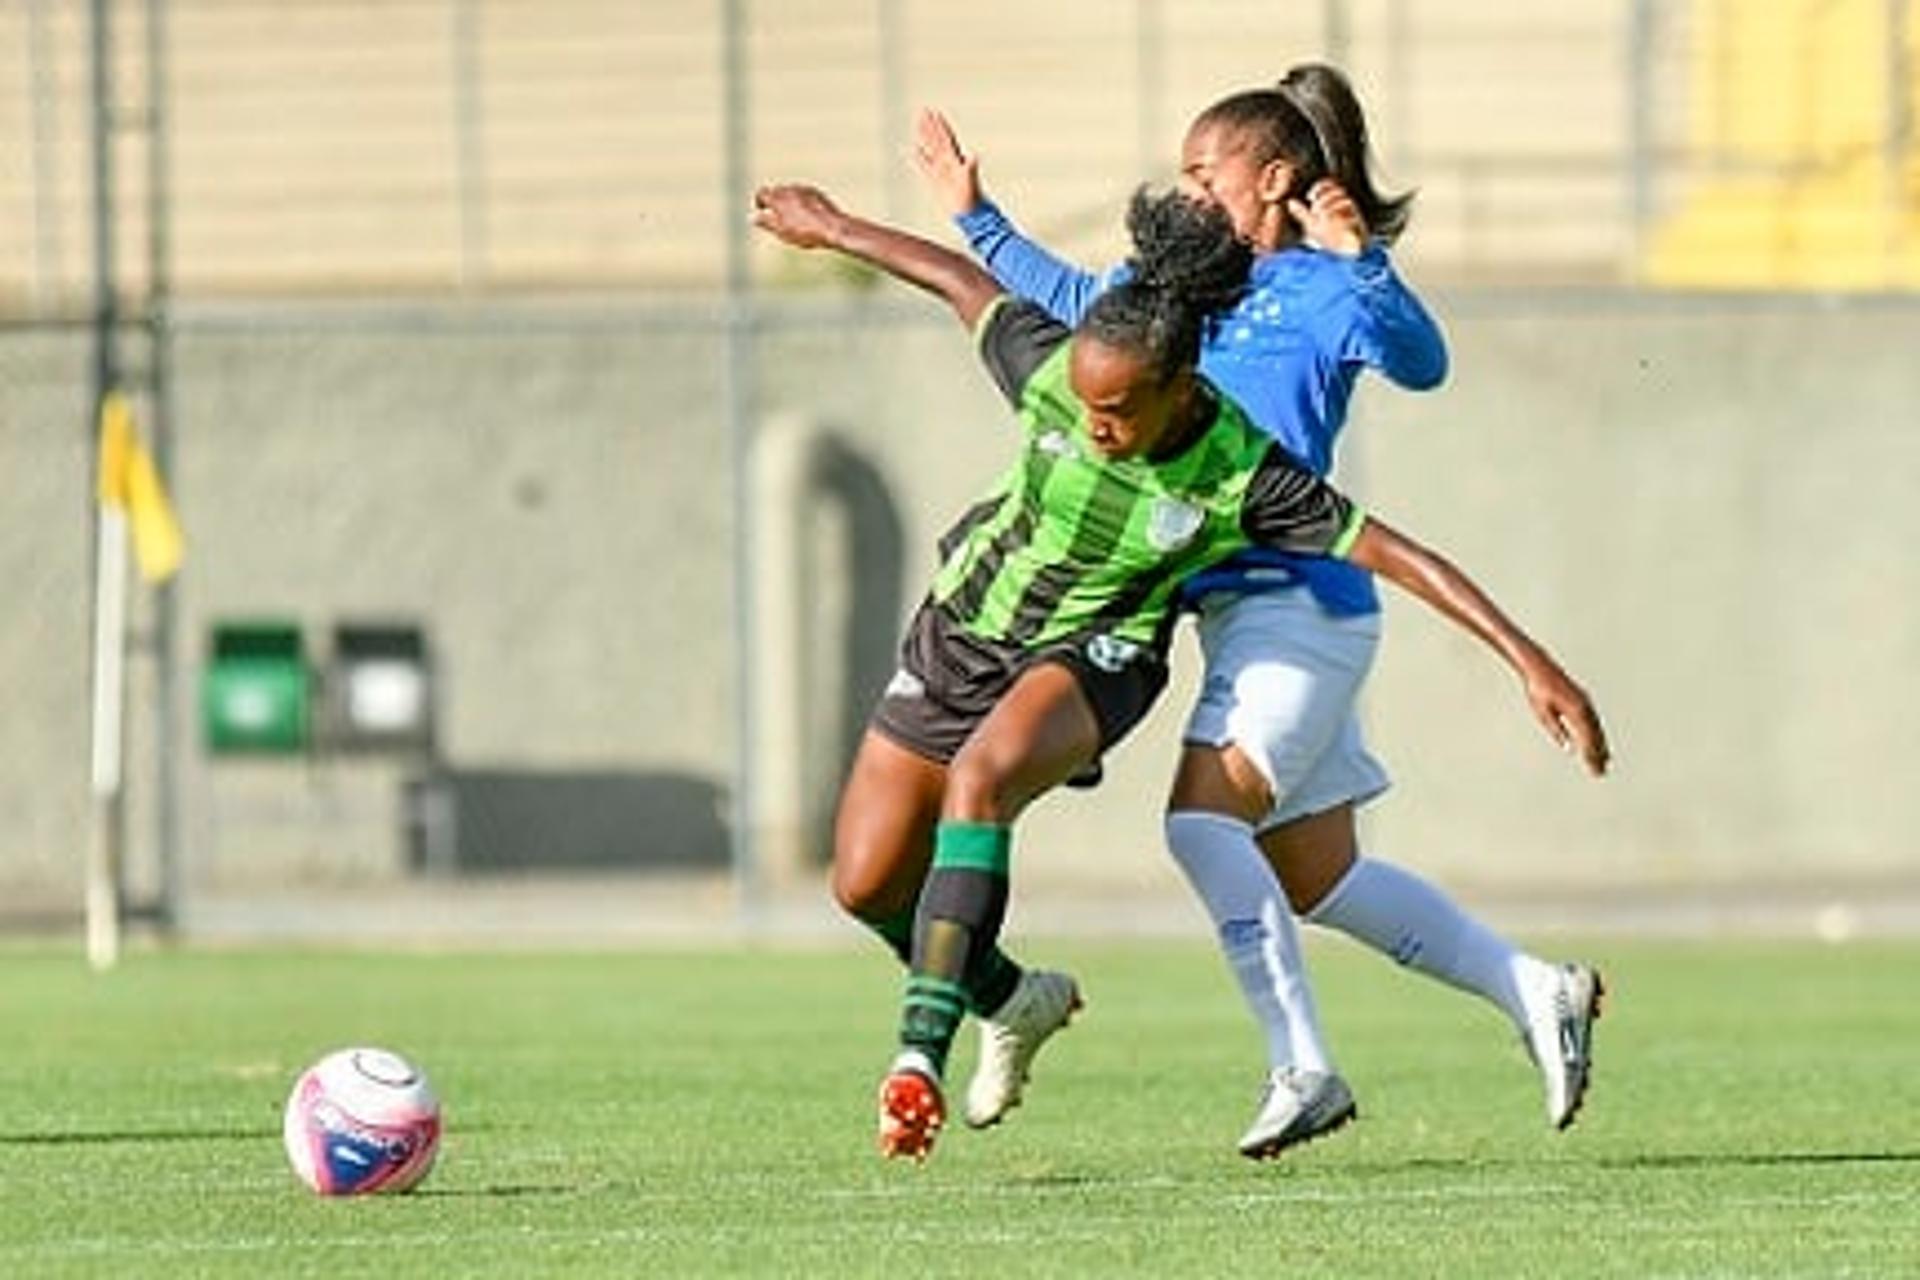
<point>1398,914</point>
<point>1256,932</point>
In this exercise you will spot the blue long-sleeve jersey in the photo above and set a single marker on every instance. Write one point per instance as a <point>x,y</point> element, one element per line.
<point>1288,353</point>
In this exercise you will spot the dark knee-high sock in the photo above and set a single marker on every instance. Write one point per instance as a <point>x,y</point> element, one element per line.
<point>988,985</point>
<point>954,935</point>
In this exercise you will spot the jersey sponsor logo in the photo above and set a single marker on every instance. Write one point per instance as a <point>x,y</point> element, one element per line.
<point>1171,524</point>
<point>905,684</point>
<point>1111,653</point>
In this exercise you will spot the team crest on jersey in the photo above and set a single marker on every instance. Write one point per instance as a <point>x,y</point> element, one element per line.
<point>1055,443</point>
<point>1171,524</point>
<point>1111,653</point>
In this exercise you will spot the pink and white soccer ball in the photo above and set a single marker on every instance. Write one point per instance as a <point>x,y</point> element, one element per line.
<point>361,1121</point>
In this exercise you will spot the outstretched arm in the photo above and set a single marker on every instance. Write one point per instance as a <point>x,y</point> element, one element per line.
<point>1560,705</point>
<point>1024,268</point>
<point>806,218</point>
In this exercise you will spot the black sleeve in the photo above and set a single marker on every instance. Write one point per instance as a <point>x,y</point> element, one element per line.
<point>1015,337</point>
<point>1289,508</point>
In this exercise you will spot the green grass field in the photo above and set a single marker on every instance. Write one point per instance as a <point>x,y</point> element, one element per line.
<point>1756,1112</point>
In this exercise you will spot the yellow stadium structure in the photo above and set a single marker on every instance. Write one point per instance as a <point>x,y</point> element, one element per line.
<point>1801,129</point>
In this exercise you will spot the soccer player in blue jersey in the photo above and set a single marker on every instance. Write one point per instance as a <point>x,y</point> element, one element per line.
<point>1043,638</point>
<point>1274,763</point>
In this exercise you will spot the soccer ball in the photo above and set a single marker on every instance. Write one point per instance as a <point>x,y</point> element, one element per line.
<point>361,1121</point>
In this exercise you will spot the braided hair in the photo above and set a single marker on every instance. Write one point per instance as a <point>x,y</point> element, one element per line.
<point>1312,120</point>
<point>1188,266</point>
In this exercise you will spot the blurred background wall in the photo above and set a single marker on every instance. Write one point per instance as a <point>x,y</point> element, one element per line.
<point>462,327</point>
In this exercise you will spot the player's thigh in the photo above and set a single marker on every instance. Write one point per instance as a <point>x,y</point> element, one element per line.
<point>1220,780</point>
<point>883,830</point>
<point>1038,734</point>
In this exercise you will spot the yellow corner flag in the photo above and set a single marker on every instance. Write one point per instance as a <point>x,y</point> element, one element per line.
<point>129,481</point>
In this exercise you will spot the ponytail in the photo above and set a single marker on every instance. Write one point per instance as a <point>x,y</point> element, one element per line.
<point>1312,120</point>
<point>1326,100</point>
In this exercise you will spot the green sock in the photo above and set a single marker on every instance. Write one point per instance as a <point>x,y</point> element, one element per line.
<point>991,981</point>
<point>955,932</point>
<point>987,987</point>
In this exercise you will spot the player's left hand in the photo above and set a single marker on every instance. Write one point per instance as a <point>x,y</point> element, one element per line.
<point>951,171</point>
<point>1330,220</point>
<point>1568,715</point>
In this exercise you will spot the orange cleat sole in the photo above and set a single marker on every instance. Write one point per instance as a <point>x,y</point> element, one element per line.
<point>911,1115</point>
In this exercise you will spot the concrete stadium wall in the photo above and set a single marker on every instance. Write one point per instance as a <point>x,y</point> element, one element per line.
<point>46,525</point>
<point>1704,507</point>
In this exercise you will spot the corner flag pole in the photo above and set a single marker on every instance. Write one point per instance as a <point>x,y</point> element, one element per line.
<point>104,850</point>
<point>108,813</point>
<point>136,526</point>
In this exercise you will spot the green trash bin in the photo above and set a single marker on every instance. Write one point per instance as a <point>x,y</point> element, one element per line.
<point>256,692</point>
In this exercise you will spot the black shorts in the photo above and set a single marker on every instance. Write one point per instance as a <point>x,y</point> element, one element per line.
<point>949,679</point>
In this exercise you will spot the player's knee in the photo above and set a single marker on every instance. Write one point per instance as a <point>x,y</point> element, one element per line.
<point>980,788</point>
<point>851,893</point>
<point>1311,856</point>
<point>859,877</point>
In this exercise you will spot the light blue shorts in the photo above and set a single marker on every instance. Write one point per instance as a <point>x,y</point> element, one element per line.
<point>1281,678</point>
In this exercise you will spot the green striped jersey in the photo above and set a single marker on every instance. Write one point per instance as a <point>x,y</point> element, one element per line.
<point>1070,542</point>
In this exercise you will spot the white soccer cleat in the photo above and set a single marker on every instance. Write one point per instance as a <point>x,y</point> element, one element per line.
<point>1295,1107</point>
<point>1040,1005</point>
<point>1559,1038</point>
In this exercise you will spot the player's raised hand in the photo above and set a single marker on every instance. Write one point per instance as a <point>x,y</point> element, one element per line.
<point>951,173</point>
<point>799,215</point>
<point>1568,715</point>
<point>1329,219</point>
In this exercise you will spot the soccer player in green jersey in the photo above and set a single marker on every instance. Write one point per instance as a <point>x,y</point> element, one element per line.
<point>1043,638</point>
